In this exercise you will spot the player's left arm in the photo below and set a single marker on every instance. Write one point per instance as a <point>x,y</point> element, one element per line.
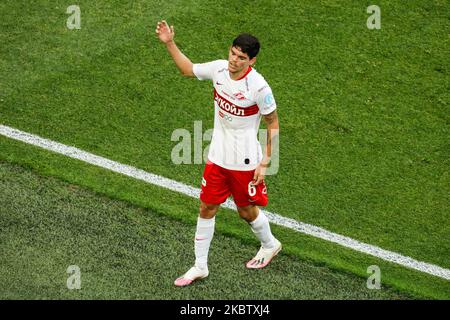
<point>273,128</point>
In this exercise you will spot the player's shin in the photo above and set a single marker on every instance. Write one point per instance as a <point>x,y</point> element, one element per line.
<point>203,237</point>
<point>261,228</point>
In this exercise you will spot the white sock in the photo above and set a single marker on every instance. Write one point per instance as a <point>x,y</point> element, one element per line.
<point>203,237</point>
<point>261,228</point>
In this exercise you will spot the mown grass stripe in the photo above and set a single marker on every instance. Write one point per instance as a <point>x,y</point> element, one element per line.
<point>172,185</point>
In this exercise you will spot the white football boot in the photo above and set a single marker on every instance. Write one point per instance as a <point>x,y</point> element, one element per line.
<point>264,256</point>
<point>193,274</point>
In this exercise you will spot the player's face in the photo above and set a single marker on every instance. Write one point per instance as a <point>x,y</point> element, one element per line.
<point>238,61</point>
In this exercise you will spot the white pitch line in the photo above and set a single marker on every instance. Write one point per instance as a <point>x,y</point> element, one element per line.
<point>172,185</point>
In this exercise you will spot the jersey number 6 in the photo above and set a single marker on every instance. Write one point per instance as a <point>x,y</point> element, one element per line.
<point>251,190</point>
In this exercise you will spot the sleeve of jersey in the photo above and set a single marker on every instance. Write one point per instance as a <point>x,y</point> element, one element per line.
<point>265,100</point>
<point>204,71</point>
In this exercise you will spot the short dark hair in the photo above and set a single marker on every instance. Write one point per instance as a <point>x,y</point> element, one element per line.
<point>248,44</point>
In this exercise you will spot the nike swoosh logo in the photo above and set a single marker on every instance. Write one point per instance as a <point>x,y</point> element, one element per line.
<point>219,84</point>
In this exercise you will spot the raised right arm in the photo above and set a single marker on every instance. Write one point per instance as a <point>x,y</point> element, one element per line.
<point>166,35</point>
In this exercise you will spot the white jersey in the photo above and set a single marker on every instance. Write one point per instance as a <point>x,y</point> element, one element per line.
<point>238,106</point>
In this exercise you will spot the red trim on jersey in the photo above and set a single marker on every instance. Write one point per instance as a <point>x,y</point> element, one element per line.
<point>246,73</point>
<point>233,109</point>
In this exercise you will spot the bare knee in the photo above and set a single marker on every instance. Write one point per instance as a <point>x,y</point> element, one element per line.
<point>248,213</point>
<point>208,211</point>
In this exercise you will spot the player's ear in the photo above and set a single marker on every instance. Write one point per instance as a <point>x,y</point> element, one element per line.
<point>252,61</point>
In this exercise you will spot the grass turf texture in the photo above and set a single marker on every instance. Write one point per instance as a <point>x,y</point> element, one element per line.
<point>363,114</point>
<point>126,252</point>
<point>314,251</point>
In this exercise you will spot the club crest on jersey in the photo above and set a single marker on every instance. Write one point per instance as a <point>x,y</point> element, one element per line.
<point>239,96</point>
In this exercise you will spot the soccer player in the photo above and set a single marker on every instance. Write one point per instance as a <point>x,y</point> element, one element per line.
<point>236,165</point>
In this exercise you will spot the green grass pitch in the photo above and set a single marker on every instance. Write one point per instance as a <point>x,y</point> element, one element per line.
<point>364,145</point>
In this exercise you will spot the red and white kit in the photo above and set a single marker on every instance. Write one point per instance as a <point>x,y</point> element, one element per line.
<point>235,151</point>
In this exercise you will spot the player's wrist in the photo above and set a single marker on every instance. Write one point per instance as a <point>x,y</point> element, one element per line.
<point>265,163</point>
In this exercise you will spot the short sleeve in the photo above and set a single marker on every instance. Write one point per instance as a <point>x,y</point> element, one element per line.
<point>205,71</point>
<point>265,100</point>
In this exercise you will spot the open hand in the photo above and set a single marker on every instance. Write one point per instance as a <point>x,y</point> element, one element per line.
<point>259,174</point>
<point>164,32</point>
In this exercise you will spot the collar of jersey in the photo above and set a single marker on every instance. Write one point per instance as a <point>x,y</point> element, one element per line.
<point>245,74</point>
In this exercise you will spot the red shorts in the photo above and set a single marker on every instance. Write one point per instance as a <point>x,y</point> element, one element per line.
<point>219,183</point>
